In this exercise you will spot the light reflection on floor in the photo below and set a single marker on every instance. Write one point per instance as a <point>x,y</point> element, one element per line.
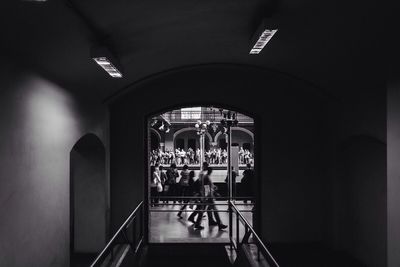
<point>167,227</point>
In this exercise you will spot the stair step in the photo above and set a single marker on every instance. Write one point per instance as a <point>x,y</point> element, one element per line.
<point>193,255</point>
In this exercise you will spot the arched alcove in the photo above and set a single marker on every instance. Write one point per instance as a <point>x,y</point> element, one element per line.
<point>190,133</point>
<point>241,136</point>
<point>88,197</point>
<point>155,139</point>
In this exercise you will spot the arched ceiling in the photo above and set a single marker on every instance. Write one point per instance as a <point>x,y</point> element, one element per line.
<point>334,45</point>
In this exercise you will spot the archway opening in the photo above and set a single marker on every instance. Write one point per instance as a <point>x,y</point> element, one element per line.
<point>194,143</point>
<point>155,140</point>
<point>88,200</point>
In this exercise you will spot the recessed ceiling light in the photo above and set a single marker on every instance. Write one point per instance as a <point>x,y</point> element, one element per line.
<point>103,57</point>
<point>262,41</point>
<point>108,67</point>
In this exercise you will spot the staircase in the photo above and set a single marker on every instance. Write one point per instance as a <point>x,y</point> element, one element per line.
<point>127,248</point>
<point>193,255</point>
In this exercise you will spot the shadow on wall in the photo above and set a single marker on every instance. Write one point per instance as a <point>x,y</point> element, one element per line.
<point>359,200</point>
<point>88,196</point>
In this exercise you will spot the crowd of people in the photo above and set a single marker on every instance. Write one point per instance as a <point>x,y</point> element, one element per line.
<point>187,189</point>
<point>215,156</point>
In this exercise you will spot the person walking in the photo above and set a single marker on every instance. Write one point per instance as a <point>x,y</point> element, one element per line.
<point>196,191</point>
<point>247,183</point>
<point>189,191</point>
<point>207,192</point>
<point>184,181</point>
<point>234,175</point>
<point>155,185</point>
<point>172,174</point>
<point>163,178</point>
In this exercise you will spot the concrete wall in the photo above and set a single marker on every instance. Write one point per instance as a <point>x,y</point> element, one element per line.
<point>359,204</point>
<point>318,184</point>
<point>355,221</point>
<point>89,195</point>
<point>393,177</point>
<point>40,123</point>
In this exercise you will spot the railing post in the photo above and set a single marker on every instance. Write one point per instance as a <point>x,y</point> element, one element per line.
<point>134,234</point>
<point>122,232</point>
<point>237,232</point>
<point>112,253</point>
<point>230,223</point>
<point>141,223</point>
<point>230,183</point>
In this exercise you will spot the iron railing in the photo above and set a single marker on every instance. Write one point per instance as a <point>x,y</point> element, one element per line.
<point>178,201</point>
<point>130,233</point>
<point>178,116</point>
<point>261,248</point>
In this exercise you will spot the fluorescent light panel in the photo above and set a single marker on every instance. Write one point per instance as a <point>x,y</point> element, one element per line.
<point>108,67</point>
<point>264,38</point>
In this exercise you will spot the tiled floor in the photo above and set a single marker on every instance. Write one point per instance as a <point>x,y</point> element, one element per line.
<point>166,227</point>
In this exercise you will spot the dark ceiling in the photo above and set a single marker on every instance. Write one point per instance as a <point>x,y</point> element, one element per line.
<point>332,44</point>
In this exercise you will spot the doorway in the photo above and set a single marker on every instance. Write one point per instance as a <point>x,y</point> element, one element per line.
<point>191,136</point>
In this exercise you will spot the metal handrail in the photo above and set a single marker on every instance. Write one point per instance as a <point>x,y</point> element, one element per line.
<point>256,237</point>
<point>202,210</point>
<point>200,197</point>
<point>188,201</point>
<point>125,225</point>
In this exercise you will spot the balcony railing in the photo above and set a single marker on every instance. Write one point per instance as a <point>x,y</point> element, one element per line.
<point>178,116</point>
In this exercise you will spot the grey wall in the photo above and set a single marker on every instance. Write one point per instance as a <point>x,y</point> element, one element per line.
<point>359,204</point>
<point>356,179</point>
<point>40,123</point>
<point>89,193</point>
<point>393,169</point>
<point>289,114</point>
<point>317,186</point>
